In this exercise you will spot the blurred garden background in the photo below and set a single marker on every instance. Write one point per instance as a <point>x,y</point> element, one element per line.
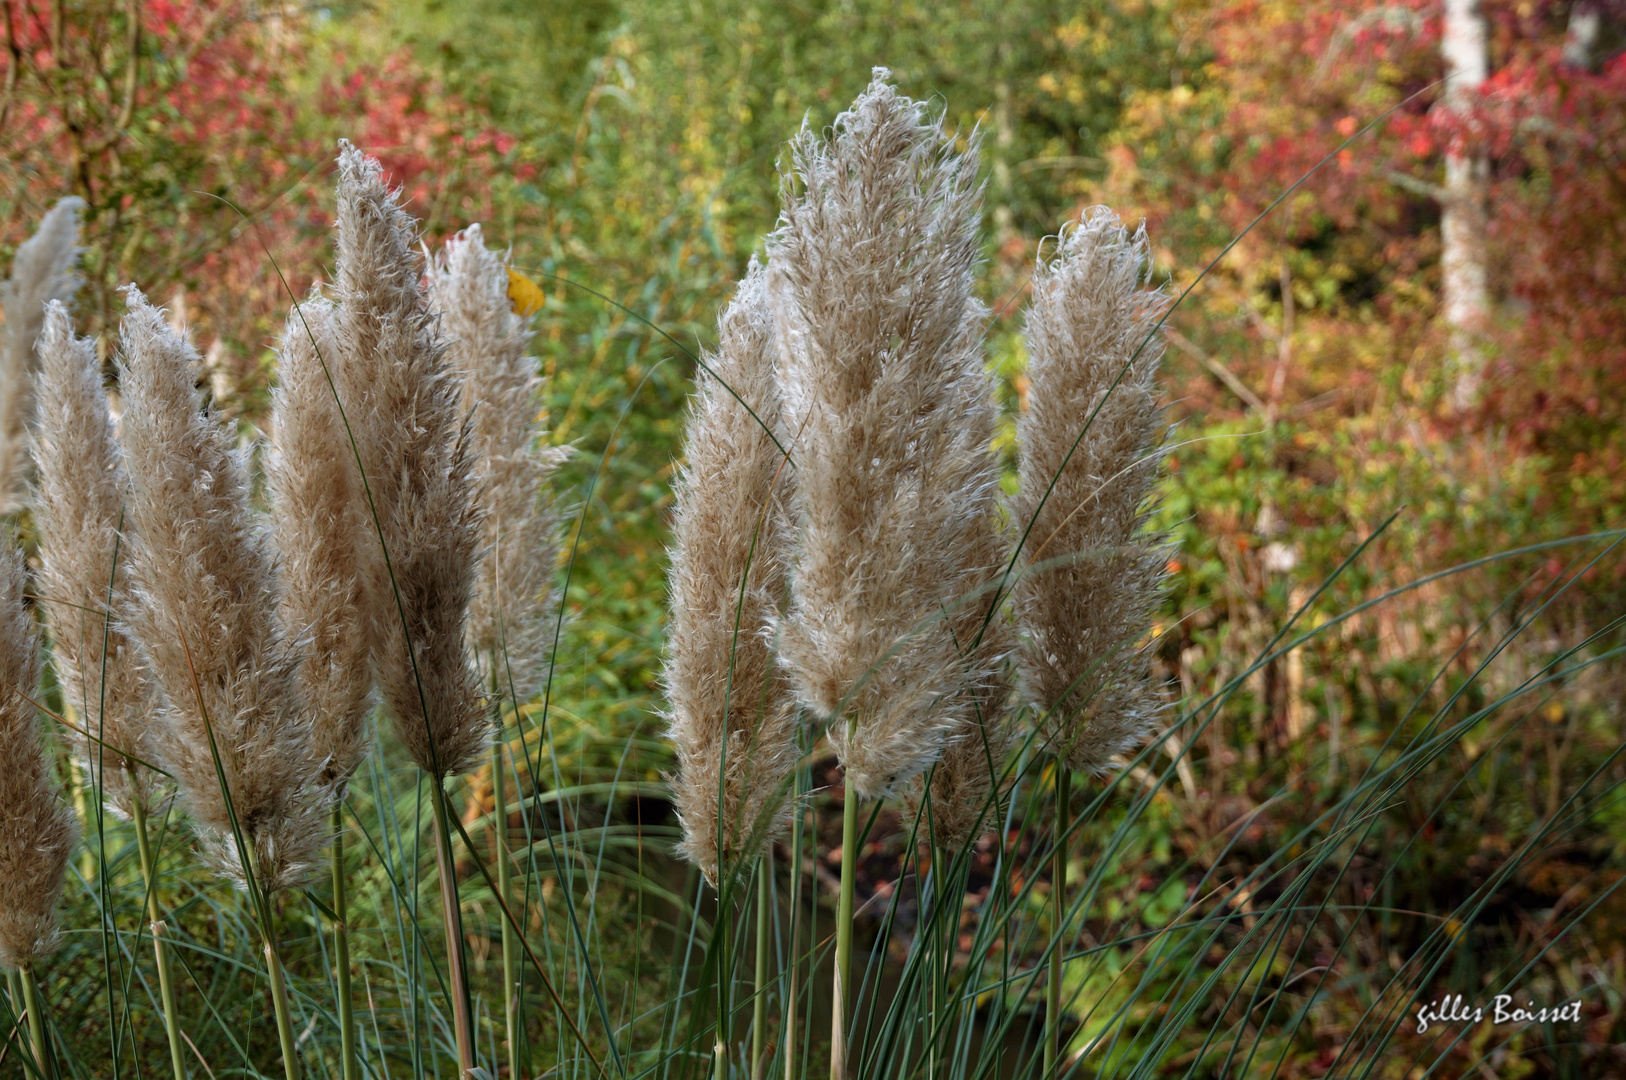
<point>1341,375</point>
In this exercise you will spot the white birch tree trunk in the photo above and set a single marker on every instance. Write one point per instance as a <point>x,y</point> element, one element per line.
<point>1462,224</point>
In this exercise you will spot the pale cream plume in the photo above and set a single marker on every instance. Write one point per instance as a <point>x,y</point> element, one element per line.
<point>203,610</point>
<point>403,400</point>
<point>880,361</point>
<point>512,614</point>
<point>324,542</point>
<point>37,830</point>
<point>1092,576</point>
<point>43,270</point>
<point>84,572</point>
<point>732,714</point>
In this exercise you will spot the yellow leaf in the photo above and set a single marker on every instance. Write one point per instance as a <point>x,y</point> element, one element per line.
<point>524,294</point>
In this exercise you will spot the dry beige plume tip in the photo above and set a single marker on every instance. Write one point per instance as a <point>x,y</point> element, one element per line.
<point>732,714</point>
<point>1092,576</point>
<point>324,542</point>
<point>203,610</point>
<point>36,828</point>
<point>84,572</point>
<point>403,399</point>
<point>42,271</point>
<point>880,363</point>
<point>511,618</point>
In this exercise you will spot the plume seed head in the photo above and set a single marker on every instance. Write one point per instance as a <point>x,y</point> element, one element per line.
<point>1092,577</point>
<point>203,609</point>
<point>731,710</point>
<point>37,830</point>
<point>403,399</point>
<point>42,271</point>
<point>84,572</point>
<point>511,616</point>
<point>880,363</point>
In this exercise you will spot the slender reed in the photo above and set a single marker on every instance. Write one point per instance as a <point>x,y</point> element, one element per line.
<point>401,396</point>
<point>318,522</point>
<point>233,729</point>
<point>880,358</point>
<point>510,625</point>
<point>37,830</point>
<point>42,271</point>
<point>84,578</point>
<point>732,716</point>
<point>1090,448</point>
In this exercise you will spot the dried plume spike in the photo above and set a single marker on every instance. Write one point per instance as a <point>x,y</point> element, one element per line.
<point>881,366</point>
<point>732,713</point>
<point>1092,577</point>
<point>42,271</point>
<point>203,609</point>
<point>84,572</point>
<point>37,829</point>
<point>323,537</point>
<point>511,615</point>
<point>403,400</point>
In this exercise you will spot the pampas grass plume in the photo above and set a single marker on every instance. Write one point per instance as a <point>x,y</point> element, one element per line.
<point>732,714</point>
<point>404,403</point>
<point>204,611</point>
<point>42,271</point>
<point>1092,577</point>
<point>881,365</point>
<point>37,829</point>
<point>322,533</point>
<point>511,613</point>
<point>84,572</point>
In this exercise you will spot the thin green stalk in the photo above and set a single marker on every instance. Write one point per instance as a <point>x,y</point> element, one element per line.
<point>36,1020</point>
<point>341,951</point>
<point>166,979</point>
<point>720,932</point>
<point>795,926</point>
<point>451,908</point>
<point>844,935</point>
<point>279,1003</point>
<point>759,1014</point>
<point>510,976</point>
<point>1058,911</point>
<point>940,964</point>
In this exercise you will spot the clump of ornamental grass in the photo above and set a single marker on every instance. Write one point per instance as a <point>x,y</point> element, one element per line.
<point>402,397</point>
<point>1090,444</point>
<point>732,714</point>
<point>37,830</point>
<point>881,368</point>
<point>233,728</point>
<point>510,628</point>
<point>42,271</point>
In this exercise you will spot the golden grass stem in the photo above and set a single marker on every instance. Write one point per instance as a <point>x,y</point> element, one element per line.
<point>1058,917</point>
<point>341,951</point>
<point>36,1020</point>
<point>759,1011</point>
<point>279,1003</point>
<point>166,976</point>
<point>451,907</point>
<point>844,935</point>
<point>510,973</point>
